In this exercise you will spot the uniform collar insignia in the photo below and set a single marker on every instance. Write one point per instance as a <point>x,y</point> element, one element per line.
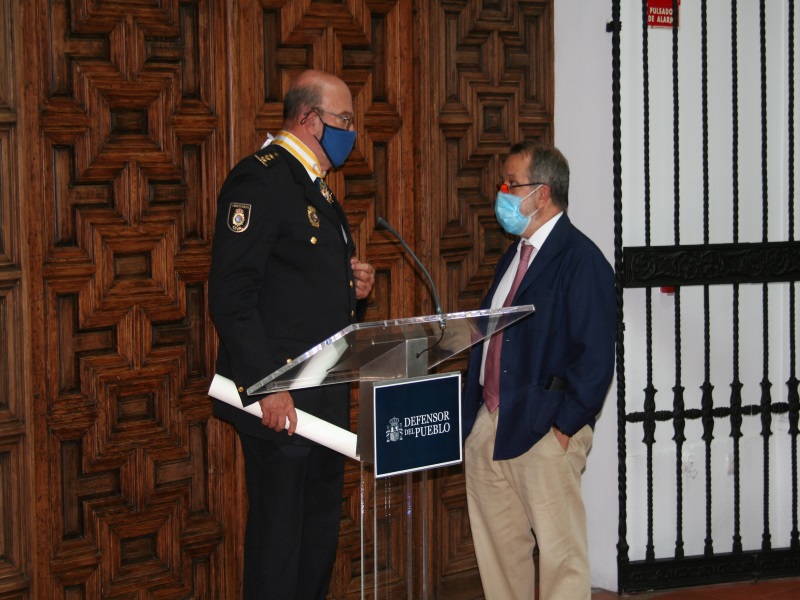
<point>267,159</point>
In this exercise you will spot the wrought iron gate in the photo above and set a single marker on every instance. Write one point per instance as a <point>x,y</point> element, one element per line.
<point>766,270</point>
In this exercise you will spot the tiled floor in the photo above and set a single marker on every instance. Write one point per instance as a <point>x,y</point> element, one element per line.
<point>774,589</point>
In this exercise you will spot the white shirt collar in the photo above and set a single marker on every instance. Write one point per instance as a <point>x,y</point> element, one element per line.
<point>540,235</point>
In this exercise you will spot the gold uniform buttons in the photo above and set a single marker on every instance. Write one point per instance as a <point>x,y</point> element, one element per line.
<point>351,283</point>
<point>288,360</point>
<point>313,240</point>
<point>240,389</point>
<point>352,313</point>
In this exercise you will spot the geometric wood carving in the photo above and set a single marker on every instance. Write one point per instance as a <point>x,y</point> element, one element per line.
<point>131,124</point>
<point>496,88</point>
<point>14,534</point>
<point>490,75</point>
<point>136,114</point>
<point>8,229</point>
<point>11,356</point>
<point>16,447</point>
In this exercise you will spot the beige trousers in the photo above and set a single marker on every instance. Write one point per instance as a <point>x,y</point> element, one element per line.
<point>519,503</point>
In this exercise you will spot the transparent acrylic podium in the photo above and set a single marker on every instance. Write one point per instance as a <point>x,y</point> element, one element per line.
<point>378,352</point>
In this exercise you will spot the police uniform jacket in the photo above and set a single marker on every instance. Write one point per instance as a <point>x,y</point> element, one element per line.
<point>280,282</point>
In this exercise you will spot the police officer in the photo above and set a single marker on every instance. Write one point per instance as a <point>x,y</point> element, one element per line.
<point>283,278</point>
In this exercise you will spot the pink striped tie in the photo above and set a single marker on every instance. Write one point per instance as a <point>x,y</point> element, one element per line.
<point>491,370</point>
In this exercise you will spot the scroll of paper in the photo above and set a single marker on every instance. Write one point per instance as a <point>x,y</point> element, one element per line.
<point>317,367</point>
<point>309,426</point>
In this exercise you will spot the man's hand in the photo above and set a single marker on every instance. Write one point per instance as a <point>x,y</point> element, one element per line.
<point>562,438</point>
<point>276,409</point>
<point>364,274</point>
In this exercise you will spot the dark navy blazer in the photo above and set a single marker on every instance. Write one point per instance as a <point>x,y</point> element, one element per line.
<point>570,335</point>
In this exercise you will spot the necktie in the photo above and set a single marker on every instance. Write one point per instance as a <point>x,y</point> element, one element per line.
<point>491,370</point>
<point>326,191</point>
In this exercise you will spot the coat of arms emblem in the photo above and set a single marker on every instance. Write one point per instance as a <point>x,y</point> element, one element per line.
<point>393,431</point>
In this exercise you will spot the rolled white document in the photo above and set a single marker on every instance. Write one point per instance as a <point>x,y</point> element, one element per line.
<point>309,426</point>
<point>315,369</point>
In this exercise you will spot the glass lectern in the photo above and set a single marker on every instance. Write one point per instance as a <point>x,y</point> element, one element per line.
<point>376,352</point>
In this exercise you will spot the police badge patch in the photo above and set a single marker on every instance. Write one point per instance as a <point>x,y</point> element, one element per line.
<point>238,217</point>
<point>313,217</point>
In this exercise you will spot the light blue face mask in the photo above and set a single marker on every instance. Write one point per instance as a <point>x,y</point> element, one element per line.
<point>506,209</point>
<point>337,143</point>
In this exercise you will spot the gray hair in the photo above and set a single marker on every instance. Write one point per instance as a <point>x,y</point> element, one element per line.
<point>547,166</point>
<point>299,100</point>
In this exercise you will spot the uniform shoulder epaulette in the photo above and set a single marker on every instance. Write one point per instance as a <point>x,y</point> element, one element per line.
<point>268,156</point>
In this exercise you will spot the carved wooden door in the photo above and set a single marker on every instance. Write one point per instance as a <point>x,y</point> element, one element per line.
<point>118,122</point>
<point>123,145</point>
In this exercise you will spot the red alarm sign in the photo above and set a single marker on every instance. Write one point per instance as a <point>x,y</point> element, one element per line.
<point>660,13</point>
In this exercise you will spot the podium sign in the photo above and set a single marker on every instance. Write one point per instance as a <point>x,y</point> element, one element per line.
<point>417,424</point>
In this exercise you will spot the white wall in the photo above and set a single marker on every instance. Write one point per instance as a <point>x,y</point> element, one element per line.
<point>583,132</point>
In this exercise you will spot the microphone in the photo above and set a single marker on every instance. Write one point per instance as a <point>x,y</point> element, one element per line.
<point>386,225</point>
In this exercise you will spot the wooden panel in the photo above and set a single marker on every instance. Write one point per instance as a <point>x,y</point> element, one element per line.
<point>11,333</point>
<point>486,82</point>
<point>12,353</point>
<point>130,116</point>
<point>14,517</point>
<point>493,76</point>
<point>8,175</point>
<point>15,508</point>
<point>131,500</point>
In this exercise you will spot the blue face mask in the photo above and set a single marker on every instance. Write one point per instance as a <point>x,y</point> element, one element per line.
<point>506,209</point>
<point>336,143</point>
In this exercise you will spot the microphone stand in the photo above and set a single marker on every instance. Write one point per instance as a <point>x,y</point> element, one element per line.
<point>442,322</point>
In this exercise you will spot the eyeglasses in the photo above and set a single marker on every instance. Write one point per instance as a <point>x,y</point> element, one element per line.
<point>505,188</point>
<point>348,121</point>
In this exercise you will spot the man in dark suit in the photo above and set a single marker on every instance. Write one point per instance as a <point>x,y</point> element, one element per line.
<point>533,390</point>
<point>283,279</point>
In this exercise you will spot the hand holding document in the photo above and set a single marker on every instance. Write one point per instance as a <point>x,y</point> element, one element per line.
<point>309,426</point>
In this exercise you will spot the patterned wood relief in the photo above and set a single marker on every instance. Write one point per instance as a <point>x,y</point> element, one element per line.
<point>490,76</point>
<point>495,91</point>
<point>15,513</point>
<point>11,310</point>
<point>14,538</point>
<point>130,127</point>
<point>137,111</point>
